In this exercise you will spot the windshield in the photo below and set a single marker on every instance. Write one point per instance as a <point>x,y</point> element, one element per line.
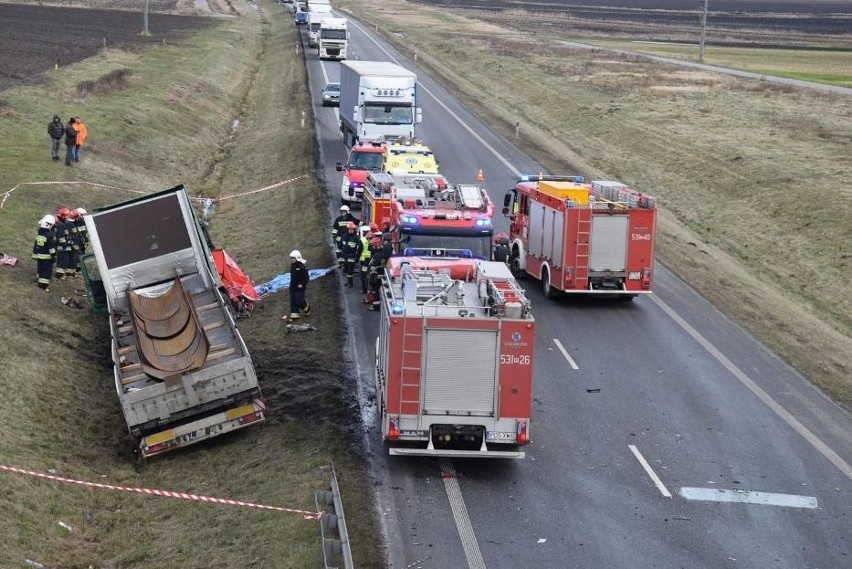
<point>479,245</point>
<point>388,114</point>
<point>333,87</point>
<point>371,161</point>
<point>315,26</point>
<point>333,34</point>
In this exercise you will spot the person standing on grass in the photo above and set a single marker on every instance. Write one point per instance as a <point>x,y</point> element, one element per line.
<point>44,251</point>
<point>299,278</point>
<point>56,130</point>
<point>82,133</point>
<point>70,141</point>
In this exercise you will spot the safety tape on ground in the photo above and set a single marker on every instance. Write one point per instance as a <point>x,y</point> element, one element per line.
<point>308,515</point>
<point>8,194</point>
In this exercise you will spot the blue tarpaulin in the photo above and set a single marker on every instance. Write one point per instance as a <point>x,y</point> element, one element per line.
<point>283,281</point>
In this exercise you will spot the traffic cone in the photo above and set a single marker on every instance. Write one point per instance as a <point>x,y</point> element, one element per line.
<point>479,176</point>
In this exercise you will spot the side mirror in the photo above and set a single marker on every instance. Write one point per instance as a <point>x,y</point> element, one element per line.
<point>339,166</point>
<point>419,115</point>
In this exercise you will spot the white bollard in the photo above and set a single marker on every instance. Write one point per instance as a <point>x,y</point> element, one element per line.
<point>303,119</point>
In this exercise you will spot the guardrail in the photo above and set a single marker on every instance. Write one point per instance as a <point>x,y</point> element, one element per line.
<point>335,538</point>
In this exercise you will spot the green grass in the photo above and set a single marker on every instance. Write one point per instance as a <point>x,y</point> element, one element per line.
<point>751,176</point>
<point>58,407</point>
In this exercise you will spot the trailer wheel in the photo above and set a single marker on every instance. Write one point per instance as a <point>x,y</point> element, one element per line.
<point>546,288</point>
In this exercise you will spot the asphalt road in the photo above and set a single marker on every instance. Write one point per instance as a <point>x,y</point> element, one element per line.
<point>663,435</point>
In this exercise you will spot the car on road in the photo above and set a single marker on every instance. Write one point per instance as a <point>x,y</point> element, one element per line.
<point>331,95</point>
<point>301,18</point>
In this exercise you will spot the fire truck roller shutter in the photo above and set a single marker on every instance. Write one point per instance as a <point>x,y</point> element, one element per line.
<point>460,369</point>
<point>608,243</point>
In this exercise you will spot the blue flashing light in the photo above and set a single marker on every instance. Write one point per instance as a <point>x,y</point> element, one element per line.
<point>577,179</point>
<point>397,308</point>
<point>524,178</point>
<point>483,222</point>
<point>356,184</point>
<point>409,219</point>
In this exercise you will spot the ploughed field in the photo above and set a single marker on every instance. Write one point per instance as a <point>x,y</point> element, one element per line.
<point>729,22</point>
<point>35,38</point>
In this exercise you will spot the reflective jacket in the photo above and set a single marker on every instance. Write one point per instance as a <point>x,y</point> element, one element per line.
<point>365,251</point>
<point>63,229</point>
<point>350,246</point>
<point>43,248</point>
<point>82,132</point>
<point>338,228</point>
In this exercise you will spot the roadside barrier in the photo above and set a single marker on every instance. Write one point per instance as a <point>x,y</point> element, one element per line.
<point>308,515</point>
<point>335,537</point>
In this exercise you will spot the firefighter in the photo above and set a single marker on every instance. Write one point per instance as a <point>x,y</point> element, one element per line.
<point>364,258</point>
<point>338,228</point>
<point>44,251</point>
<point>501,248</point>
<point>299,278</point>
<point>350,252</point>
<point>82,236</point>
<point>377,264</point>
<point>74,244</point>
<point>64,251</point>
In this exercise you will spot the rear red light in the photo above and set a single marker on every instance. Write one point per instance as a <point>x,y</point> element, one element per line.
<point>646,278</point>
<point>251,418</point>
<point>522,433</point>
<point>569,276</point>
<point>393,429</point>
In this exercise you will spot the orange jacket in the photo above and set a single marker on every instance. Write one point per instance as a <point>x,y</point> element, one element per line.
<point>82,133</point>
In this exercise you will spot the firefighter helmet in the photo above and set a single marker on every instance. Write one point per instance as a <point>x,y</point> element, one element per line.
<point>350,225</point>
<point>72,214</point>
<point>501,239</point>
<point>345,208</point>
<point>374,228</point>
<point>375,242</point>
<point>47,222</point>
<point>81,211</point>
<point>63,212</point>
<point>296,254</point>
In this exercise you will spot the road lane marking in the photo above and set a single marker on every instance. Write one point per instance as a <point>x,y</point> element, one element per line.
<point>785,415</point>
<point>650,471</point>
<point>465,528</point>
<point>749,497</point>
<point>565,353</point>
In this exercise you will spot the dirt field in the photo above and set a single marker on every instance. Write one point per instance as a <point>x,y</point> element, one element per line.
<point>729,22</point>
<point>72,34</point>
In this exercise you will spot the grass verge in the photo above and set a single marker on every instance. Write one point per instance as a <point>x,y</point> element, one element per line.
<point>221,113</point>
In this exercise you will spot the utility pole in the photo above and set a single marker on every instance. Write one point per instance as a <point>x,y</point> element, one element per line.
<point>145,31</point>
<point>703,32</point>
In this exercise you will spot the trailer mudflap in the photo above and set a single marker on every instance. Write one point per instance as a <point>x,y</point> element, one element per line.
<point>203,429</point>
<point>448,453</point>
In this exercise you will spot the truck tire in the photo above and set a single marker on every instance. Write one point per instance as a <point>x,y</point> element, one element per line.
<point>546,287</point>
<point>515,265</point>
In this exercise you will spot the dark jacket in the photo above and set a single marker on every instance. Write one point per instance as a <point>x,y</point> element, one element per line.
<point>338,228</point>
<point>70,135</point>
<point>350,246</point>
<point>44,248</point>
<point>299,275</point>
<point>56,129</point>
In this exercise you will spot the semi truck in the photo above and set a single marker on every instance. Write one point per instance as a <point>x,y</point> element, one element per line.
<point>378,99</point>
<point>425,211</point>
<point>577,237</point>
<point>314,23</point>
<point>333,38</point>
<point>182,371</point>
<point>454,358</point>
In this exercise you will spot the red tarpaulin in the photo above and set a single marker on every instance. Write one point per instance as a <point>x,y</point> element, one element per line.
<point>234,281</point>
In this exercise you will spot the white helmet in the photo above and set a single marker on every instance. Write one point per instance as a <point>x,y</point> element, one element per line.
<point>81,211</point>
<point>47,222</point>
<point>296,254</point>
<point>345,208</point>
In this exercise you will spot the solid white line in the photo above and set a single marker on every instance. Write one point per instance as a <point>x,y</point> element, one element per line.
<point>785,415</point>
<point>565,353</point>
<point>465,528</point>
<point>659,484</point>
<point>749,497</point>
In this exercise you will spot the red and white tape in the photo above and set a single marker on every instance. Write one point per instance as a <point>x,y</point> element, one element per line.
<point>8,194</point>
<point>308,515</point>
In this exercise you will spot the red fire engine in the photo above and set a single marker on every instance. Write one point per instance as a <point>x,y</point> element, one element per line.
<point>595,238</point>
<point>454,358</point>
<point>425,212</point>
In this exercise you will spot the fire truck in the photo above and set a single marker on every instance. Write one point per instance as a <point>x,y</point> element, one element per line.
<point>595,238</point>
<point>424,211</point>
<point>364,157</point>
<point>454,357</point>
